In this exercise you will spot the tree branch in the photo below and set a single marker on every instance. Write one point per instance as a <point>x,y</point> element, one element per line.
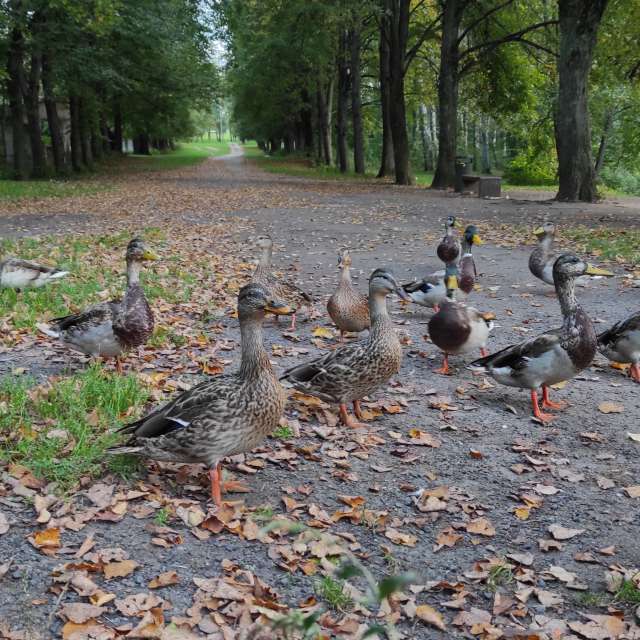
<point>427,31</point>
<point>482,18</point>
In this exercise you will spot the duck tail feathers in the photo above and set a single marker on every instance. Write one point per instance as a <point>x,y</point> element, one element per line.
<point>56,275</point>
<point>47,330</point>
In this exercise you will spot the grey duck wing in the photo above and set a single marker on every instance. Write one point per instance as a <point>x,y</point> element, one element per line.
<point>97,314</point>
<point>614,333</point>
<point>517,356</point>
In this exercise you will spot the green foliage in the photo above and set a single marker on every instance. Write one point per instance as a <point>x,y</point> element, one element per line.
<point>621,179</point>
<point>60,431</point>
<point>527,168</point>
<point>18,189</point>
<point>333,593</point>
<point>609,243</point>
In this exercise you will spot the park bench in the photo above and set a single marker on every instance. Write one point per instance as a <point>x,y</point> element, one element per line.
<point>482,186</point>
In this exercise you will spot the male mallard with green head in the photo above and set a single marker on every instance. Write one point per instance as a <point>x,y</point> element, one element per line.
<point>467,266</point>
<point>347,307</point>
<point>621,343</point>
<point>457,328</point>
<point>281,289</point>
<point>225,415</point>
<point>353,371</point>
<point>556,355</point>
<point>110,328</point>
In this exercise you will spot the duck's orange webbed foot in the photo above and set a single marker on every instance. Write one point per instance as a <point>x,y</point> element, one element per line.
<point>543,417</point>
<point>348,420</point>
<point>444,369</point>
<point>547,403</point>
<point>216,493</point>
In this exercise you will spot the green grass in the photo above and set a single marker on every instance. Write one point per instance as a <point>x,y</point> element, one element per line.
<point>499,575</point>
<point>20,189</point>
<point>283,432</point>
<point>628,593</point>
<point>332,592</point>
<point>186,154</point>
<point>162,516</point>
<point>60,430</point>
<point>611,244</point>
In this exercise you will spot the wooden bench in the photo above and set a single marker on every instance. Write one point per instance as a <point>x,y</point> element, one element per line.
<point>482,186</point>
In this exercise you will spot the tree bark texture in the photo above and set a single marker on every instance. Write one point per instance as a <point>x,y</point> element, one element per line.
<point>343,102</point>
<point>356,101</point>
<point>579,22</point>
<point>386,160</point>
<point>604,141</point>
<point>325,99</point>
<point>76,137</point>
<point>448,95</point>
<point>32,104</point>
<point>55,127</point>
<point>85,133</point>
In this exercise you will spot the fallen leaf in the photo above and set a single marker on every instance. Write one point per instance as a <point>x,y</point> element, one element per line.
<point>430,616</point>
<point>599,627</point>
<point>562,533</point>
<point>80,612</point>
<point>47,539</point>
<point>634,436</point>
<point>610,407</point>
<point>4,523</point>
<point>322,332</point>
<point>119,569</point>
<point>163,580</point>
<point>633,491</point>
<point>398,537</point>
<point>481,527</point>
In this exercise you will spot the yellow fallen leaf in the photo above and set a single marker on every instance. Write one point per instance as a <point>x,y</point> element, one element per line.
<point>481,527</point>
<point>522,513</point>
<point>164,579</point>
<point>49,538</point>
<point>119,569</point>
<point>322,332</point>
<point>430,616</point>
<point>610,407</point>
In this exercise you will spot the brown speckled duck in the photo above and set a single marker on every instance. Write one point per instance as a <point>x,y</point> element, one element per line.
<point>355,370</point>
<point>224,416</point>
<point>621,343</point>
<point>449,248</point>
<point>457,328</point>
<point>347,307</point>
<point>109,329</point>
<point>556,355</point>
<point>542,257</point>
<point>280,289</point>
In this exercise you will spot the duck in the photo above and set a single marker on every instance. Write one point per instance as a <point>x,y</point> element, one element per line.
<point>20,274</point>
<point>352,371</point>
<point>467,266</point>
<point>556,355</point>
<point>542,258</point>
<point>282,289</point>
<point>223,416</point>
<point>347,307</point>
<point>457,328</point>
<point>109,329</point>
<point>449,248</point>
<point>430,292</point>
<point>621,343</point>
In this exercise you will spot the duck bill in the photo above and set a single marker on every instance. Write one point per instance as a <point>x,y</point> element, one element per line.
<point>150,255</point>
<point>476,239</point>
<point>279,309</point>
<point>597,271</point>
<point>402,294</point>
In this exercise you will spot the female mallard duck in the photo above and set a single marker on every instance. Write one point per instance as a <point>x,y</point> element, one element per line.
<point>225,415</point>
<point>449,248</point>
<point>467,266</point>
<point>556,355</point>
<point>621,343</point>
<point>542,257</point>
<point>110,328</point>
<point>456,328</point>
<point>281,289</point>
<point>24,274</point>
<point>347,307</point>
<point>355,370</point>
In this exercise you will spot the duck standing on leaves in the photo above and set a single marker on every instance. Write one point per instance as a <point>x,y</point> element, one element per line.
<point>225,415</point>
<point>347,307</point>
<point>353,371</point>
<point>553,356</point>
<point>280,289</point>
<point>23,274</point>
<point>449,248</point>
<point>621,343</point>
<point>109,329</point>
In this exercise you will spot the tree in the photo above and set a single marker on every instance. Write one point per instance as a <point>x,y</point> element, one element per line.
<point>579,22</point>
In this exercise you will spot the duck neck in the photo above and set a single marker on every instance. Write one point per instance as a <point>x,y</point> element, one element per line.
<point>345,277</point>
<point>265,258</point>
<point>466,247</point>
<point>545,243</point>
<point>133,273</point>
<point>567,297</point>
<point>378,312</point>
<point>254,359</point>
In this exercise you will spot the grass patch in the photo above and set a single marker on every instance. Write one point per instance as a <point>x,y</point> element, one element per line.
<point>499,575</point>
<point>283,432</point>
<point>628,593</point>
<point>20,189</point>
<point>333,593</point>
<point>60,430</point>
<point>612,244</point>
<point>263,513</point>
<point>185,154</point>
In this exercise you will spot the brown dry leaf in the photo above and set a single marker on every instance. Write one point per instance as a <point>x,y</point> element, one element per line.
<point>447,538</point>
<point>47,539</point>
<point>119,569</point>
<point>481,527</point>
<point>398,537</point>
<point>599,627</point>
<point>80,612</point>
<point>430,616</point>
<point>100,597</point>
<point>634,436</point>
<point>150,626</point>
<point>562,533</point>
<point>137,603</point>
<point>633,491</point>
<point>4,523</point>
<point>163,580</point>
<point>90,629</point>
<point>550,545</point>
<point>424,439</point>
<point>322,332</point>
<point>610,407</point>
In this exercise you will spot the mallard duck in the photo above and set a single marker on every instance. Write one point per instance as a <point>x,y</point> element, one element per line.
<point>355,370</point>
<point>428,292</point>
<point>224,416</point>
<point>467,266</point>
<point>281,289</point>
<point>556,355</point>
<point>110,328</point>
<point>449,248</point>
<point>23,274</point>
<point>456,328</point>
<point>621,343</point>
<point>542,258</point>
<point>347,307</point>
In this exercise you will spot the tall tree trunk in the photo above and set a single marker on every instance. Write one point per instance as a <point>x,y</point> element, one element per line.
<point>85,133</point>
<point>386,160</point>
<point>76,139</point>
<point>398,11</point>
<point>343,102</point>
<point>324,99</point>
<point>117,140</point>
<point>141,144</point>
<point>356,101</point>
<point>579,22</point>
<point>484,146</point>
<point>448,95</point>
<point>15,82</point>
<point>55,127</point>
<point>604,141</point>
<point>32,104</point>
<point>423,137</point>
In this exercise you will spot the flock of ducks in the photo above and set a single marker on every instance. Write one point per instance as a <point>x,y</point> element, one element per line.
<point>233,413</point>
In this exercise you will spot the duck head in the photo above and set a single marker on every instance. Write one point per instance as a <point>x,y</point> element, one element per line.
<point>138,252</point>
<point>547,230</point>
<point>382,283</point>
<point>472,236</point>
<point>568,267</point>
<point>254,302</point>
